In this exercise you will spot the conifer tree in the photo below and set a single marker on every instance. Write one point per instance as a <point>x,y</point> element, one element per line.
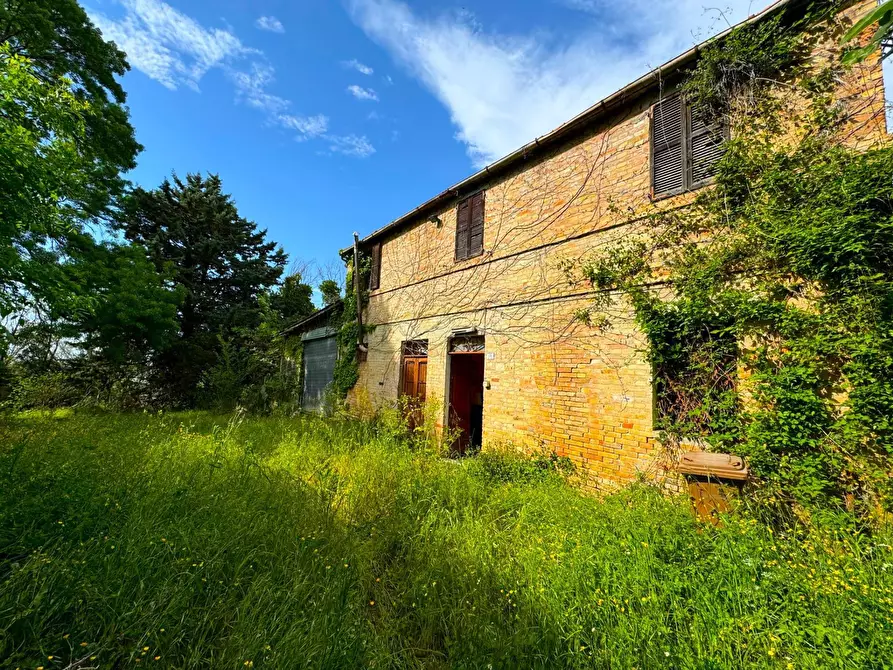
<point>222,261</point>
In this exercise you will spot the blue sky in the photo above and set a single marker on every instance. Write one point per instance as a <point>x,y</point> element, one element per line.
<point>326,116</point>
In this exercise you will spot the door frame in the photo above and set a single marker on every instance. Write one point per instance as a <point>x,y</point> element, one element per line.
<point>461,346</point>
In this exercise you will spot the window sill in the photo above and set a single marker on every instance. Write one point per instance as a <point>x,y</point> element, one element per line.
<point>468,258</point>
<point>681,191</point>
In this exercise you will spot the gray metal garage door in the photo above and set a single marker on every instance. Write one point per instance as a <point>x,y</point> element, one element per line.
<point>319,370</point>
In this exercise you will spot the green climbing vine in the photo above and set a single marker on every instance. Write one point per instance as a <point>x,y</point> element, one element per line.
<point>347,366</point>
<point>767,304</point>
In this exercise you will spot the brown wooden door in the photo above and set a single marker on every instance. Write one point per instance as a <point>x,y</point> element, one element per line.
<point>415,386</point>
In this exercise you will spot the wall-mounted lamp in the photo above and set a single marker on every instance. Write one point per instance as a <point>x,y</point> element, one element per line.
<point>436,221</point>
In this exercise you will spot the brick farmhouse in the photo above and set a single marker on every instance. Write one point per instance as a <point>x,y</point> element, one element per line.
<point>468,305</point>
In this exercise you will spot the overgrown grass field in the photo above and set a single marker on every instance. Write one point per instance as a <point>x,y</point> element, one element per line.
<point>193,541</point>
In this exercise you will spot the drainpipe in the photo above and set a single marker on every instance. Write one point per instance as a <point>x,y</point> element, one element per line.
<point>356,284</point>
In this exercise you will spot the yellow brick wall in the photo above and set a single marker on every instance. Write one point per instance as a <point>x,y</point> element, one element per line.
<point>553,382</point>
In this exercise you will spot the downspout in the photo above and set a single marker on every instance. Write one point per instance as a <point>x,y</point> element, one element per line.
<point>356,283</point>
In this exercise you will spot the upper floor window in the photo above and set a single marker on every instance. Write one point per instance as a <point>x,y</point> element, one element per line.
<point>685,147</point>
<point>375,269</point>
<point>470,227</point>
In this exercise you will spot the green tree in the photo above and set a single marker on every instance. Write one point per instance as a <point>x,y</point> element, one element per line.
<point>98,351</point>
<point>65,139</point>
<point>134,310</point>
<point>222,261</point>
<point>331,292</point>
<point>292,301</point>
<point>257,368</point>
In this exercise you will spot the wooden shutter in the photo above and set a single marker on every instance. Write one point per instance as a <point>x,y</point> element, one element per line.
<point>463,227</point>
<point>409,376</point>
<point>422,379</point>
<point>415,377</point>
<point>705,145</point>
<point>667,147</point>
<point>375,270</point>
<point>476,231</point>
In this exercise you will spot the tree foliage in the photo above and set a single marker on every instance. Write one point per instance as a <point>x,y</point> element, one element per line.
<point>330,290</point>
<point>260,369</point>
<point>134,309</point>
<point>222,261</point>
<point>65,136</point>
<point>192,299</point>
<point>291,302</point>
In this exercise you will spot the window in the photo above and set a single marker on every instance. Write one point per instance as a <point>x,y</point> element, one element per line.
<point>375,270</point>
<point>470,227</point>
<point>685,147</point>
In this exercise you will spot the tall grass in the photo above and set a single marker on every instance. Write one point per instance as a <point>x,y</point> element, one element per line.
<point>193,541</point>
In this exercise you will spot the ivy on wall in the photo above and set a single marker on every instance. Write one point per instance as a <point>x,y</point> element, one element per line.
<point>767,303</point>
<point>347,366</point>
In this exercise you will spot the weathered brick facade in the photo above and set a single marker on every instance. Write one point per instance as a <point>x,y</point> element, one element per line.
<point>549,380</point>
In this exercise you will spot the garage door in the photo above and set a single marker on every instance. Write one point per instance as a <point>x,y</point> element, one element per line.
<point>319,370</point>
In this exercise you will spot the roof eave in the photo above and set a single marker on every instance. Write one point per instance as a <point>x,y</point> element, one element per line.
<point>310,319</point>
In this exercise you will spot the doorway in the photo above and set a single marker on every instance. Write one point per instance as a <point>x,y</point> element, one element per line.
<point>320,355</point>
<point>414,381</point>
<point>467,392</point>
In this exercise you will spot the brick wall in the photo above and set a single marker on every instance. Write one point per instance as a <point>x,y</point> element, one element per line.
<point>552,382</point>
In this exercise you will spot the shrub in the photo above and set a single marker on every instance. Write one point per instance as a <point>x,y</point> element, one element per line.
<point>507,464</point>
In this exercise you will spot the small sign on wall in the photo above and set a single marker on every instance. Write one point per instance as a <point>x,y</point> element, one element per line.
<point>490,355</point>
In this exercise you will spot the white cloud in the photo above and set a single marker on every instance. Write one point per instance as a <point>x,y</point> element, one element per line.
<point>308,126</point>
<point>167,45</point>
<point>251,87</point>
<point>270,23</point>
<point>175,50</point>
<point>351,145</point>
<point>504,90</point>
<point>354,64</point>
<point>361,93</point>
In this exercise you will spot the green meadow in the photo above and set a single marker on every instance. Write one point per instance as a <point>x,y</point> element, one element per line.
<point>199,541</point>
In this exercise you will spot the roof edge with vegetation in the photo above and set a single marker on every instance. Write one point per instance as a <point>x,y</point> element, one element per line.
<point>306,321</point>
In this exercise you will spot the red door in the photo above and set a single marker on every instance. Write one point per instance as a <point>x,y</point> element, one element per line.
<point>467,398</point>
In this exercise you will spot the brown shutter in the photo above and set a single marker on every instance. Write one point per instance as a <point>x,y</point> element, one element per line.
<point>667,149</point>
<point>705,146</point>
<point>422,379</point>
<point>375,271</point>
<point>476,231</point>
<point>409,377</point>
<point>463,225</point>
